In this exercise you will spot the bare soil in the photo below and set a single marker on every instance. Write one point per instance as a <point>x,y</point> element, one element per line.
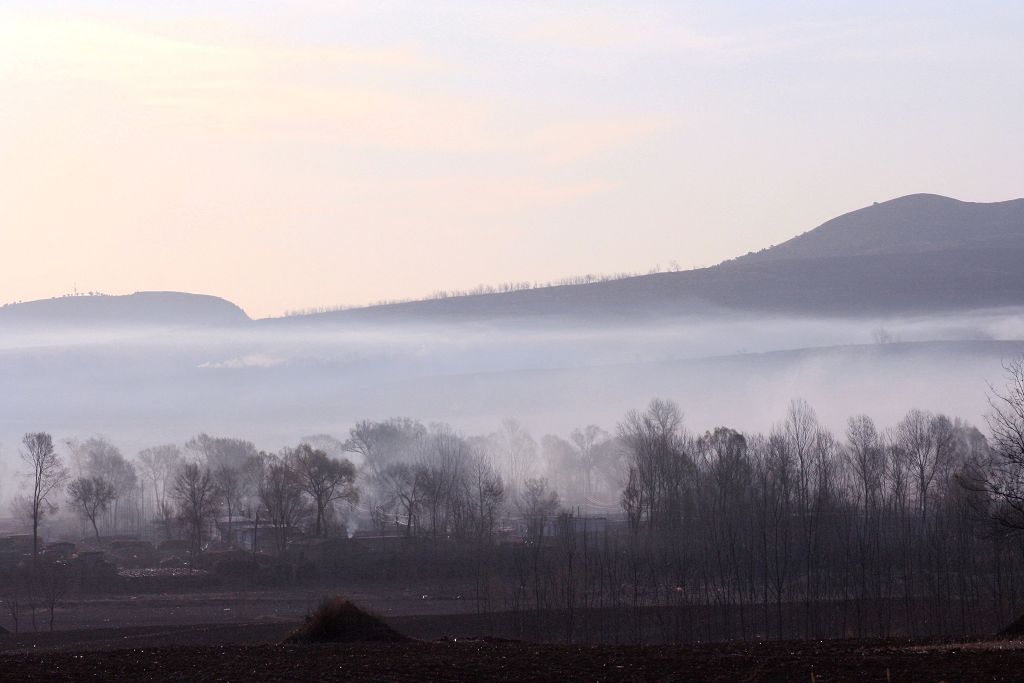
<point>239,637</point>
<point>476,660</point>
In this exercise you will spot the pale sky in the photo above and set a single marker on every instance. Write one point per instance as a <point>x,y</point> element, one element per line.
<point>315,152</point>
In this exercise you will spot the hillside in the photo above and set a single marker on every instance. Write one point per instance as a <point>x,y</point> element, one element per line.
<point>912,224</point>
<point>912,255</point>
<point>142,308</point>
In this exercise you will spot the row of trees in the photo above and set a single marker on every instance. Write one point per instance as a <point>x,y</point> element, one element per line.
<point>912,527</point>
<point>422,479</point>
<point>216,476</point>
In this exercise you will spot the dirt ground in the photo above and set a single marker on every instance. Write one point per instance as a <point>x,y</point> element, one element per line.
<point>240,606</point>
<point>503,660</point>
<point>237,636</point>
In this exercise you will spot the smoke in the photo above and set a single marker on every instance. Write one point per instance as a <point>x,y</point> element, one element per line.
<point>351,526</point>
<point>253,360</point>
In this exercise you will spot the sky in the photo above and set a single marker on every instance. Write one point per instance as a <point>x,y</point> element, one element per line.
<point>308,153</point>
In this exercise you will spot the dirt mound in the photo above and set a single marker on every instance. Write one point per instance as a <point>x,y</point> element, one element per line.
<point>337,620</point>
<point>1014,630</point>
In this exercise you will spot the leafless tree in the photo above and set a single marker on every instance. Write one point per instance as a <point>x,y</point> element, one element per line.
<point>47,475</point>
<point>538,505</point>
<point>280,493</point>
<point>195,494</point>
<point>403,484</point>
<point>102,459</point>
<point>1000,472</point>
<point>587,441</point>
<point>91,496</point>
<point>325,480</point>
<point>158,466</point>
<point>378,444</point>
<point>660,468</point>
<point>516,450</point>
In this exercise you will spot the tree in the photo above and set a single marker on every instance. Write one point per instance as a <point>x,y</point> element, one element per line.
<point>324,480</point>
<point>444,461</point>
<point>98,457</point>
<point>587,441</point>
<point>537,504</point>
<point>234,467</point>
<point>486,492</point>
<point>1001,473</point>
<point>404,484</point>
<point>280,493</point>
<point>928,441</point>
<point>517,451</point>
<point>221,451</point>
<point>196,496</point>
<point>867,457</point>
<point>660,470</point>
<point>91,496</point>
<point>47,476</point>
<point>375,445</point>
<point>158,466</point>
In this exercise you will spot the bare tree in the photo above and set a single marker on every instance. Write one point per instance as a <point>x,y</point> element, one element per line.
<point>375,445</point>
<point>403,484</point>
<point>47,476</point>
<point>517,451</point>
<point>537,504</point>
<point>158,466</point>
<point>587,441</point>
<point>104,460</point>
<point>91,496</point>
<point>867,458</point>
<point>660,469</point>
<point>325,481</point>
<point>234,468</point>
<point>280,493</point>
<point>444,459</point>
<point>196,496</point>
<point>486,493</point>
<point>1001,473</point>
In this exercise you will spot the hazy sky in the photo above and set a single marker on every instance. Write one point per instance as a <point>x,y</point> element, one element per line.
<point>316,152</point>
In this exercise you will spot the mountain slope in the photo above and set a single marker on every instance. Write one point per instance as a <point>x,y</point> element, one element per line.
<point>915,254</point>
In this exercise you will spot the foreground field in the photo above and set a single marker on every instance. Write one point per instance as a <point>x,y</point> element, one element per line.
<point>237,637</point>
<point>505,660</point>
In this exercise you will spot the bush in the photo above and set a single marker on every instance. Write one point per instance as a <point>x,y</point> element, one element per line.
<point>337,620</point>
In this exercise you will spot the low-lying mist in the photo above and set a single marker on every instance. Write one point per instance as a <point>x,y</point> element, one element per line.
<point>273,383</point>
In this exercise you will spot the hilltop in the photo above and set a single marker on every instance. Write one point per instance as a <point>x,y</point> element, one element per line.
<point>917,223</point>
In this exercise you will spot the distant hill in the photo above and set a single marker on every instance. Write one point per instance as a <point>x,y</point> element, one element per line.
<point>916,254</point>
<point>142,308</point>
<point>913,224</point>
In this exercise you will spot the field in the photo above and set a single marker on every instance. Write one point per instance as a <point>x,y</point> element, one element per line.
<point>508,660</point>
<point>225,636</point>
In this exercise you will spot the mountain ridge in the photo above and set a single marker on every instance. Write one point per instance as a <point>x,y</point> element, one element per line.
<point>916,253</point>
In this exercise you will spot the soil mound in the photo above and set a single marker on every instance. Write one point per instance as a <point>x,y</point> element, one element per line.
<point>337,620</point>
<point>1014,630</point>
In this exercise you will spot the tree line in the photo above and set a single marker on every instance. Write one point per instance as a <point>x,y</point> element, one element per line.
<point>800,531</point>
